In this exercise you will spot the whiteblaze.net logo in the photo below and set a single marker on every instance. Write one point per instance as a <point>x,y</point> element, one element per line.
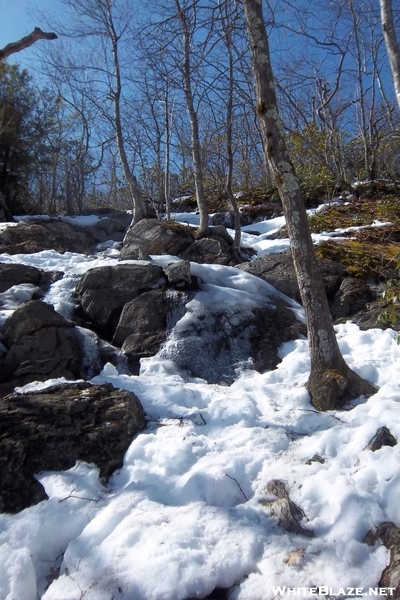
<point>322,590</point>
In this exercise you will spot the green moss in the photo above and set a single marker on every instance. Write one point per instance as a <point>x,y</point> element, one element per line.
<point>362,212</point>
<point>362,259</point>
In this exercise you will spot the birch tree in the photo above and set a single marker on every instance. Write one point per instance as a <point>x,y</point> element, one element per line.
<point>331,382</point>
<point>392,45</point>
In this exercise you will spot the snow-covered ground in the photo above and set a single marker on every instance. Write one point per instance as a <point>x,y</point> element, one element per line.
<point>187,512</point>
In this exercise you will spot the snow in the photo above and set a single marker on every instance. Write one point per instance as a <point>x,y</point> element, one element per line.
<point>187,511</point>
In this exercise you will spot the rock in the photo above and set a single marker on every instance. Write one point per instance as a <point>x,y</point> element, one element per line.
<point>15,274</point>
<point>214,342</point>
<point>42,345</point>
<point>52,429</point>
<point>389,534</point>
<point>270,328</point>
<point>143,323</point>
<point>370,317</point>
<point>227,219</point>
<point>27,238</point>
<point>152,236</point>
<point>278,270</point>
<point>112,226</point>
<point>383,437</point>
<point>102,292</point>
<point>178,274</point>
<point>353,295</point>
<point>30,318</point>
<point>287,514</point>
<point>208,251</point>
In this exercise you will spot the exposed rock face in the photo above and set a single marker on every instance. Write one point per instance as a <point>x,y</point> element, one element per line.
<point>52,429</point>
<point>42,345</point>
<point>112,227</point>
<point>348,297</point>
<point>178,274</point>
<point>151,236</point>
<point>104,291</point>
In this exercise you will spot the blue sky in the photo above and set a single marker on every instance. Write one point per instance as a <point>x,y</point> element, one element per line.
<point>18,18</point>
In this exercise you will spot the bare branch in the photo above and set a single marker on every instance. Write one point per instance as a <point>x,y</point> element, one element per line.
<point>25,42</point>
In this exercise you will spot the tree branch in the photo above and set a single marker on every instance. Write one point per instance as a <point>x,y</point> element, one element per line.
<point>28,40</point>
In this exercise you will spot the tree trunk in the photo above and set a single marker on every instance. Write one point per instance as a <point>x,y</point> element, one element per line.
<point>391,42</point>
<point>196,146</point>
<point>229,132</point>
<point>331,382</point>
<point>133,185</point>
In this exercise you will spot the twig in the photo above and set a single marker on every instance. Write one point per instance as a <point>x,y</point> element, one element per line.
<point>239,486</point>
<point>70,495</point>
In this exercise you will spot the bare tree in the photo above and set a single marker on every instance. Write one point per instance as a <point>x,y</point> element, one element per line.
<point>392,45</point>
<point>102,26</point>
<point>331,382</point>
<point>25,42</point>
<point>196,146</point>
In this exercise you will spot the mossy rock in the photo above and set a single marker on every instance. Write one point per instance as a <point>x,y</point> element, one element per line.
<point>361,258</point>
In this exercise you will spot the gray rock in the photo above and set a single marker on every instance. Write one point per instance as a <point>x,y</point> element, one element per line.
<point>15,274</point>
<point>27,238</point>
<point>353,295</point>
<point>217,342</point>
<point>278,270</point>
<point>178,274</point>
<point>42,345</point>
<point>389,534</point>
<point>285,512</point>
<point>383,437</point>
<point>102,292</point>
<point>52,429</point>
<point>142,325</point>
<point>151,236</point>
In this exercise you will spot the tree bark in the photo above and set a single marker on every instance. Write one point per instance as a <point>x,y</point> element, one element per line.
<point>392,44</point>
<point>28,40</point>
<point>133,185</point>
<point>331,383</point>
<point>229,134</point>
<point>194,124</point>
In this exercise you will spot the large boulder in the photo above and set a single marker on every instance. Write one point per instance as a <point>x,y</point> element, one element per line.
<point>63,234</point>
<point>216,342</point>
<point>103,292</point>
<point>206,329</point>
<point>50,430</point>
<point>151,236</point>
<point>27,238</point>
<point>41,345</point>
